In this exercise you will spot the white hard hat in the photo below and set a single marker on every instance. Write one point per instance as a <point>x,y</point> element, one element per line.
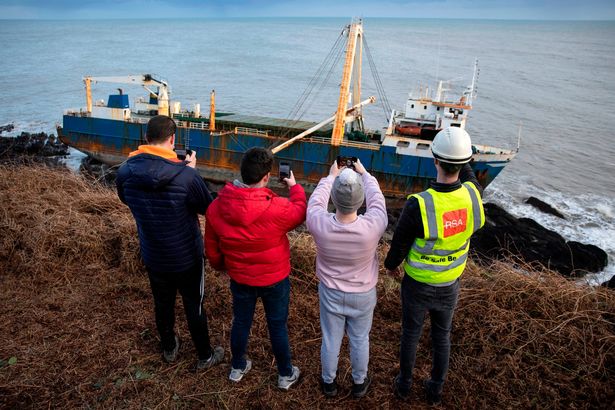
<point>452,145</point>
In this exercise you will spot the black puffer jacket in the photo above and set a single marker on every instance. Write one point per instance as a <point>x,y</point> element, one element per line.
<point>165,197</point>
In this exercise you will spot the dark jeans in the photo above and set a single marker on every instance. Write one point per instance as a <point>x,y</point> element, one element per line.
<point>418,298</point>
<point>190,285</point>
<point>275,301</point>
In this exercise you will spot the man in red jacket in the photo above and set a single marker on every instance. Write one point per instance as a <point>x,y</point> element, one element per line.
<point>245,235</point>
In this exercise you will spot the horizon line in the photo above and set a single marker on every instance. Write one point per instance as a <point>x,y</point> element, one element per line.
<point>304,17</point>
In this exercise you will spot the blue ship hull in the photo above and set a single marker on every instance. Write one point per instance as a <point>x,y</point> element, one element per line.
<point>219,153</point>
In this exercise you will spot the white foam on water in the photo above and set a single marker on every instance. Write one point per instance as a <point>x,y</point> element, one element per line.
<point>73,160</point>
<point>589,219</point>
<point>33,127</point>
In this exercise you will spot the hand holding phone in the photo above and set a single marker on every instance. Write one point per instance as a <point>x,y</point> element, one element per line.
<point>284,171</point>
<point>183,153</point>
<point>347,162</point>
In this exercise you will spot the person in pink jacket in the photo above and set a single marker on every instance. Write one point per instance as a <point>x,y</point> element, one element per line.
<point>347,266</point>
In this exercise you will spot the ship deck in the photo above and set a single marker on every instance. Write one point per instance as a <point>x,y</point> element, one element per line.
<point>274,126</point>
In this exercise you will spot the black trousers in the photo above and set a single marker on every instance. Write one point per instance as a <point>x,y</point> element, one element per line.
<point>417,299</point>
<point>190,285</point>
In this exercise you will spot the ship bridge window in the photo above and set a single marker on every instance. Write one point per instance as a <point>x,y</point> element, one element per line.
<point>455,125</point>
<point>403,144</point>
<point>412,106</point>
<point>422,145</point>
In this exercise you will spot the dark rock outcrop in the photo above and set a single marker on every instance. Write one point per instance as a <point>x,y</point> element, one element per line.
<point>610,283</point>
<point>7,128</point>
<point>32,145</point>
<point>504,235</point>
<point>544,207</point>
<point>98,170</point>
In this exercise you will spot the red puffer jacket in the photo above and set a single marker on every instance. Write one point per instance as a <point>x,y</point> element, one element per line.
<point>245,233</point>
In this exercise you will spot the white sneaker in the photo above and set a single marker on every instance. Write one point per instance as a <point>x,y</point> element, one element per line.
<point>237,374</point>
<point>284,382</point>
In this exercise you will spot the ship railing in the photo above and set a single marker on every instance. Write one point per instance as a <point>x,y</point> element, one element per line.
<point>199,125</point>
<point>221,133</point>
<point>139,120</point>
<point>354,144</point>
<point>194,125</point>
<point>76,112</point>
<point>253,131</point>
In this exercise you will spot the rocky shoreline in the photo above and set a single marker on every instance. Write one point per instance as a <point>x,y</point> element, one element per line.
<point>521,240</point>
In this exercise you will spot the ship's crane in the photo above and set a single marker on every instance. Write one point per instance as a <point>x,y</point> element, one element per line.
<point>145,80</point>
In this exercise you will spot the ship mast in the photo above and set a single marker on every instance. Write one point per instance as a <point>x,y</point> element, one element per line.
<point>355,35</point>
<point>212,111</point>
<point>343,113</point>
<point>356,86</point>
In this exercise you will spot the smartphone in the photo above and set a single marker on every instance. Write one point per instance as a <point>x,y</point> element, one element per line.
<point>182,153</point>
<point>346,161</point>
<point>284,170</point>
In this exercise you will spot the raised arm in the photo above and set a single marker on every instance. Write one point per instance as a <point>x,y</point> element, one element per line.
<point>199,196</point>
<point>467,175</point>
<point>294,213</point>
<point>319,200</point>
<point>374,200</point>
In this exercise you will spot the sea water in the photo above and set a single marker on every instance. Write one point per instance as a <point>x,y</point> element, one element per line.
<point>551,82</point>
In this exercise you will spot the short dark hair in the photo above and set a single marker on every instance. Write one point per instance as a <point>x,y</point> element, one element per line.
<point>450,169</point>
<point>159,128</point>
<point>255,164</point>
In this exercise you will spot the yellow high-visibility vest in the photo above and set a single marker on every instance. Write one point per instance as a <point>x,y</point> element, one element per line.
<point>449,220</point>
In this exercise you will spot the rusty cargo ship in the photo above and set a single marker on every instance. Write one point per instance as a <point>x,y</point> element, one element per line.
<point>400,158</point>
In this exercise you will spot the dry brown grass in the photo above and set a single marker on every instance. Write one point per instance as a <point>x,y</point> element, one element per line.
<point>77,315</point>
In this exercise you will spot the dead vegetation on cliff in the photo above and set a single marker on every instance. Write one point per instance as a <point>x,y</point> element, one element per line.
<point>78,328</point>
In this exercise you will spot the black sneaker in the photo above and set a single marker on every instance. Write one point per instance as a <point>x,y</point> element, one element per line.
<point>329,389</point>
<point>401,390</point>
<point>432,396</point>
<point>360,390</point>
<point>217,355</point>
<point>171,355</point>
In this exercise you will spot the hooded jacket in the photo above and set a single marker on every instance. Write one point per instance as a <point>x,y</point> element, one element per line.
<point>245,233</point>
<point>165,197</point>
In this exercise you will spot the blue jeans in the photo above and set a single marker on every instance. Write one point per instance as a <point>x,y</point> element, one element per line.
<point>345,312</point>
<point>275,301</point>
<point>417,299</point>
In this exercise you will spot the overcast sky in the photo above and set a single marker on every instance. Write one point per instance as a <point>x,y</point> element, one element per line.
<point>479,9</point>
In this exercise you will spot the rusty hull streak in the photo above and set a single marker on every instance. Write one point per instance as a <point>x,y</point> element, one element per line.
<point>217,164</point>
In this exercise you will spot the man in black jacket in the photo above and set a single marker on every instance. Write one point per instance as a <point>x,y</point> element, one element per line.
<point>165,196</point>
<point>432,239</point>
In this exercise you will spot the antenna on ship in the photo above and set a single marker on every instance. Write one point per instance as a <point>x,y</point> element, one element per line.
<point>519,136</point>
<point>472,89</point>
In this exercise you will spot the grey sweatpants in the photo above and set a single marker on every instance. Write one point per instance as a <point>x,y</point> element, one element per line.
<point>350,313</point>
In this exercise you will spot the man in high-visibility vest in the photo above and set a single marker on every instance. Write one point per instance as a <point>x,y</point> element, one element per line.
<point>432,238</point>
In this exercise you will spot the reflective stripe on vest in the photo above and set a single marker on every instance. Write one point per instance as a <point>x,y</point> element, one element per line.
<point>440,256</point>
